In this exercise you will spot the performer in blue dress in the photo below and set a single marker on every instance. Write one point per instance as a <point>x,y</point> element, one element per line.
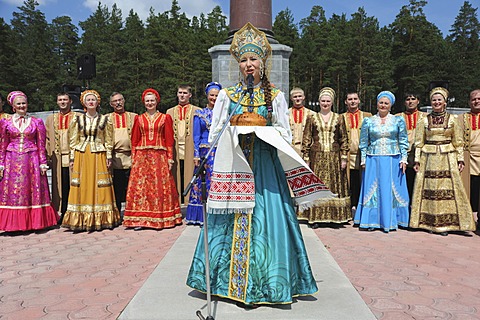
<point>256,250</point>
<point>384,202</point>
<point>202,120</point>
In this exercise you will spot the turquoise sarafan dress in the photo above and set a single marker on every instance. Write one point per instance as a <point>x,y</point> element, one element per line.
<point>384,201</point>
<point>256,257</point>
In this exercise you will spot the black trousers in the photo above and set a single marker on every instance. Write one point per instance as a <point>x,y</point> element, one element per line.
<point>182,182</point>
<point>411,174</point>
<point>474,192</point>
<point>65,172</point>
<point>120,184</point>
<point>355,184</point>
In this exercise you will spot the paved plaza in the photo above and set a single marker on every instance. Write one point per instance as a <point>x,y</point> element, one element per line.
<point>56,274</point>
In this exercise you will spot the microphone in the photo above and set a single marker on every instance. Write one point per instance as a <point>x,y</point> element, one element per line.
<point>250,83</point>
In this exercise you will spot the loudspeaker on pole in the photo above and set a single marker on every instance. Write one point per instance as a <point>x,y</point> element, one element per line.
<point>86,67</point>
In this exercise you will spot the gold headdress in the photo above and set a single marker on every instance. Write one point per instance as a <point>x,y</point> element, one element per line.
<point>439,90</point>
<point>327,91</point>
<point>88,92</point>
<point>250,40</point>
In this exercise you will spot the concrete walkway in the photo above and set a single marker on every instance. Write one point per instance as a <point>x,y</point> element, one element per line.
<point>336,299</point>
<point>406,274</point>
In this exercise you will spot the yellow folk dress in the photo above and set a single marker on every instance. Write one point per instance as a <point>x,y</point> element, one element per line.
<point>91,202</point>
<point>440,203</point>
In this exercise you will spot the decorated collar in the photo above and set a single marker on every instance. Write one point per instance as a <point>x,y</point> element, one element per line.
<point>235,93</point>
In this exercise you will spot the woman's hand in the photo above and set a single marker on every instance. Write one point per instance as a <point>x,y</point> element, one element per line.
<point>344,164</point>
<point>416,167</point>
<point>403,166</point>
<point>363,166</point>
<point>109,163</point>
<point>461,166</point>
<point>196,162</point>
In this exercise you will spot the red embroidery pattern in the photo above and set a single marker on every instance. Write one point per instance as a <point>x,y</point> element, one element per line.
<point>298,115</point>
<point>354,119</point>
<point>120,120</point>
<point>475,118</point>
<point>63,121</point>
<point>237,187</point>
<point>412,120</point>
<point>304,182</point>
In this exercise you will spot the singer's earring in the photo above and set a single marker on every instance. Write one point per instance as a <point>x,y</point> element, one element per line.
<point>261,73</point>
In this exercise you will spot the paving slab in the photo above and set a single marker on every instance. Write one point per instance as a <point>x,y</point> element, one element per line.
<point>164,295</point>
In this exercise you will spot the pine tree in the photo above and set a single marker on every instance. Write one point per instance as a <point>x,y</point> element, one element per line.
<point>66,41</point>
<point>35,59</point>
<point>465,42</point>
<point>417,48</point>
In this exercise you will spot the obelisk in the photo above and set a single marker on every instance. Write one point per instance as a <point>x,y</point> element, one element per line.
<point>259,13</point>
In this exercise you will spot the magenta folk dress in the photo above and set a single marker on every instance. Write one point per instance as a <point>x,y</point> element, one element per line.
<point>24,195</point>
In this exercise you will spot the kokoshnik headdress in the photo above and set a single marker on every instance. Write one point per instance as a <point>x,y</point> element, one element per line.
<point>439,90</point>
<point>250,40</point>
<point>85,93</point>
<point>327,91</point>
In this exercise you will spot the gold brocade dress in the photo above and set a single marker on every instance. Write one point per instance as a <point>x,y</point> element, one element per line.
<point>440,202</point>
<point>325,144</point>
<point>91,202</point>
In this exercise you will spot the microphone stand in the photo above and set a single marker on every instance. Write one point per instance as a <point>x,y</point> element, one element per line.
<point>201,171</point>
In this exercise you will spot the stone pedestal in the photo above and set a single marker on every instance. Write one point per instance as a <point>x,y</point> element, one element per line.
<point>225,67</point>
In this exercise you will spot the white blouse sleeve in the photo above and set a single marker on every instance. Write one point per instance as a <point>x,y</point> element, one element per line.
<point>220,114</point>
<point>280,119</point>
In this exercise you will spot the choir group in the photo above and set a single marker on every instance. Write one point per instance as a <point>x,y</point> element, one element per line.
<point>272,167</point>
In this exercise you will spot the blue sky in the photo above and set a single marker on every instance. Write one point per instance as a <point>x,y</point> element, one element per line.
<point>440,12</point>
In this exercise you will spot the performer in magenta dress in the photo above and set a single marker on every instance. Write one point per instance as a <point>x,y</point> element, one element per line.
<point>24,195</point>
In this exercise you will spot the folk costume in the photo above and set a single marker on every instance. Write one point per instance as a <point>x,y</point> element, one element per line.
<point>202,120</point>
<point>470,124</point>
<point>58,154</point>
<point>325,145</point>
<point>91,202</point>
<point>411,120</point>
<point>353,122</point>
<point>298,120</point>
<point>152,198</point>
<point>182,117</point>
<point>24,194</point>
<point>440,203</point>
<point>121,153</point>
<point>257,254</point>
<point>384,200</point>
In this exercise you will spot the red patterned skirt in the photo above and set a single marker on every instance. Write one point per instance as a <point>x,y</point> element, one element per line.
<point>152,198</point>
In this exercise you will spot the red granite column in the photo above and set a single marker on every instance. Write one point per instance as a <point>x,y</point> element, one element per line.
<point>257,12</point>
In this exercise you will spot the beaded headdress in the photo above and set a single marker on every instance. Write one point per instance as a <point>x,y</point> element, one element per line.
<point>14,94</point>
<point>85,93</point>
<point>439,90</point>
<point>250,40</point>
<point>327,91</point>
